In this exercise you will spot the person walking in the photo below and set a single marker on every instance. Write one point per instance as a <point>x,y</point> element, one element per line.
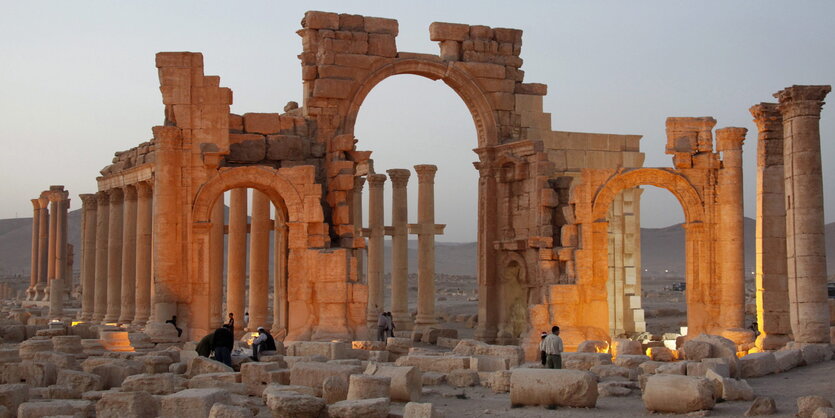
<point>223,342</point>
<point>382,325</point>
<point>553,349</point>
<point>264,342</point>
<point>543,357</point>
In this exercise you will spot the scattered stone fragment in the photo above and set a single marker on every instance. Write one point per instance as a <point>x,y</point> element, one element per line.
<point>762,405</point>
<point>806,405</point>
<point>677,394</point>
<point>548,387</point>
<point>360,408</point>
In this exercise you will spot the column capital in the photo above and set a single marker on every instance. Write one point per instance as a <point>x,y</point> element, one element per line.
<point>44,200</point>
<point>426,173</point>
<point>116,196</point>
<point>767,116</point>
<point>802,100</point>
<point>376,180</point>
<point>359,182</point>
<point>36,204</point>
<point>88,200</point>
<point>144,189</point>
<point>730,138</point>
<point>399,177</point>
<point>130,192</point>
<point>102,197</point>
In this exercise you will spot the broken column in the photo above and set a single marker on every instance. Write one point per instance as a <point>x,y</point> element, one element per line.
<point>400,249</point>
<point>33,270</point>
<point>102,249</point>
<point>144,211</point>
<point>729,143</point>
<point>375,248</point>
<point>805,245</point>
<point>236,266</point>
<point>88,256</point>
<point>426,231</point>
<point>259,258</point>
<point>771,275</point>
<point>114,256</point>
<point>128,283</point>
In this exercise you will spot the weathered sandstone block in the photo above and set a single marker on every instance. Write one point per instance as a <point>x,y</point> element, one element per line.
<point>366,386</point>
<point>499,382</point>
<point>677,394</point>
<point>721,347</point>
<point>806,405</point>
<point>593,346</point>
<point>82,381</point>
<point>758,364</point>
<point>314,374</point>
<point>220,410</point>
<point>192,403</point>
<point>431,335</point>
<point>38,409</point>
<point>329,350</point>
<point>12,395</point>
<point>28,348</point>
<point>441,31</point>
<point>156,364</point>
<point>553,387</point>
<point>610,370</point>
<point>421,410</point>
<point>695,350</point>
<point>406,381</point>
<point>203,365</point>
<point>488,363</point>
<point>292,404</point>
<point>679,368</point>
<point>256,376</point>
<point>155,384</point>
<point>630,360</point>
<point>440,364</point>
<point>787,359</point>
<point>360,408</point>
<point>824,412</point>
<point>127,404</point>
<point>70,344</point>
<point>334,389</point>
<point>661,354</point>
<point>762,405</point>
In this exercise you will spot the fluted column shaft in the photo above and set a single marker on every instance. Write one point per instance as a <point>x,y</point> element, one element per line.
<point>259,258</point>
<point>59,204</point>
<point>128,283</point>
<point>729,143</point>
<point>114,256</point>
<point>88,256</point>
<point>426,244</point>
<point>33,270</point>
<point>51,247</point>
<point>102,251</point>
<point>400,249</point>
<point>43,250</point>
<point>805,244</point>
<point>216,264</point>
<point>376,235</point>
<point>359,253</point>
<point>144,214</point>
<point>236,265</point>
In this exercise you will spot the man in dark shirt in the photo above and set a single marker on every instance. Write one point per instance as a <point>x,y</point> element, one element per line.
<point>264,342</point>
<point>223,342</point>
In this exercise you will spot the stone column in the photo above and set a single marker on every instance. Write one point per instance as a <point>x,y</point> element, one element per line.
<point>376,254</point>
<point>731,239</point>
<point>259,259</point>
<point>88,256</point>
<point>400,249</point>
<point>488,289</point>
<point>771,275</point>
<point>426,230</point>
<point>59,203</point>
<point>805,245</point>
<point>359,253</point>
<point>280,305</point>
<point>144,213</point>
<point>216,264</point>
<point>43,250</point>
<point>34,265</point>
<point>102,250</point>
<point>114,256</point>
<point>51,250</point>
<point>128,283</point>
<point>236,265</point>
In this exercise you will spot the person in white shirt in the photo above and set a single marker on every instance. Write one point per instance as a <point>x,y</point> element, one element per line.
<point>553,349</point>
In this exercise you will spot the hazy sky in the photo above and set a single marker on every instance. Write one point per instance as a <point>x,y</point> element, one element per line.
<point>78,82</point>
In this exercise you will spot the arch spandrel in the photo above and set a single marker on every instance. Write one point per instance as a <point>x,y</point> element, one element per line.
<point>687,195</point>
<point>456,78</point>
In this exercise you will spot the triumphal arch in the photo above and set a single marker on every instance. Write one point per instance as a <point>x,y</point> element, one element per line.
<point>558,212</point>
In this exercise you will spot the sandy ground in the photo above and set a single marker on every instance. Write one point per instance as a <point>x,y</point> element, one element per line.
<point>784,388</point>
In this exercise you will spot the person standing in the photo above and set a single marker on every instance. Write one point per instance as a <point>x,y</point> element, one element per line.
<point>246,319</point>
<point>553,349</point>
<point>173,321</point>
<point>264,342</point>
<point>382,325</point>
<point>542,355</point>
<point>223,342</point>
<point>390,325</point>
<point>231,323</point>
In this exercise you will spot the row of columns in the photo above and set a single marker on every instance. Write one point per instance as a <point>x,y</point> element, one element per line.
<point>791,257</point>
<point>8,291</point>
<point>116,262</point>
<point>426,229</point>
<point>50,274</point>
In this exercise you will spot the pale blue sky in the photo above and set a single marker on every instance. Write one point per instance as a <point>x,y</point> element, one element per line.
<point>79,82</point>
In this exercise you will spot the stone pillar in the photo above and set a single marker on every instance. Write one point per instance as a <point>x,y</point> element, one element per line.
<point>102,250</point>
<point>771,275</point>
<point>88,256</point>
<point>359,253</point>
<point>731,238</point>
<point>59,204</point>
<point>488,288</point>
<point>114,256</point>
<point>216,264</point>
<point>805,245</point>
<point>280,305</point>
<point>236,265</point>
<point>51,250</point>
<point>128,284</point>
<point>259,259</point>
<point>43,250</point>
<point>400,249</point>
<point>376,254</point>
<point>144,211</point>
<point>426,230</point>
<point>33,270</point>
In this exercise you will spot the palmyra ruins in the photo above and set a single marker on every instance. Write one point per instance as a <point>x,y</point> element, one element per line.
<point>558,243</point>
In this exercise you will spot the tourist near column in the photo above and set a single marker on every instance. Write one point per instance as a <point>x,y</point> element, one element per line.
<point>426,229</point>
<point>144,210</point>
<point>259,254</point>
<point>805,244</point>
<point>729,143</point>
<point>400,249</point>
<point>375,234</point>
<point>128,305</point>
<point>216,264</point>
<point>59,203</point>
<point>114,256</point>
<point>770,263</point>
<point>88,256</point>
<point>102,234</point>
<point>33,270</point>
<point>236,265</point>
<point>43,251</point>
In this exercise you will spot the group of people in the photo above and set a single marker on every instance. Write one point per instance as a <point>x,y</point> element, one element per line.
<point>222,341</point>
<point>551,348</point>
<point>385,326</point>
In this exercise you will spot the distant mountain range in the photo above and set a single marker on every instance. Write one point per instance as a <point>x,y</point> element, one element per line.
<point>661,249</point>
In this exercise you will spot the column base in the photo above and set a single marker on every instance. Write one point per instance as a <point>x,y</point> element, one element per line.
<point>772,341</point>
<point>424,320</point>
<point>402,321</point>
<point>40,292</point>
